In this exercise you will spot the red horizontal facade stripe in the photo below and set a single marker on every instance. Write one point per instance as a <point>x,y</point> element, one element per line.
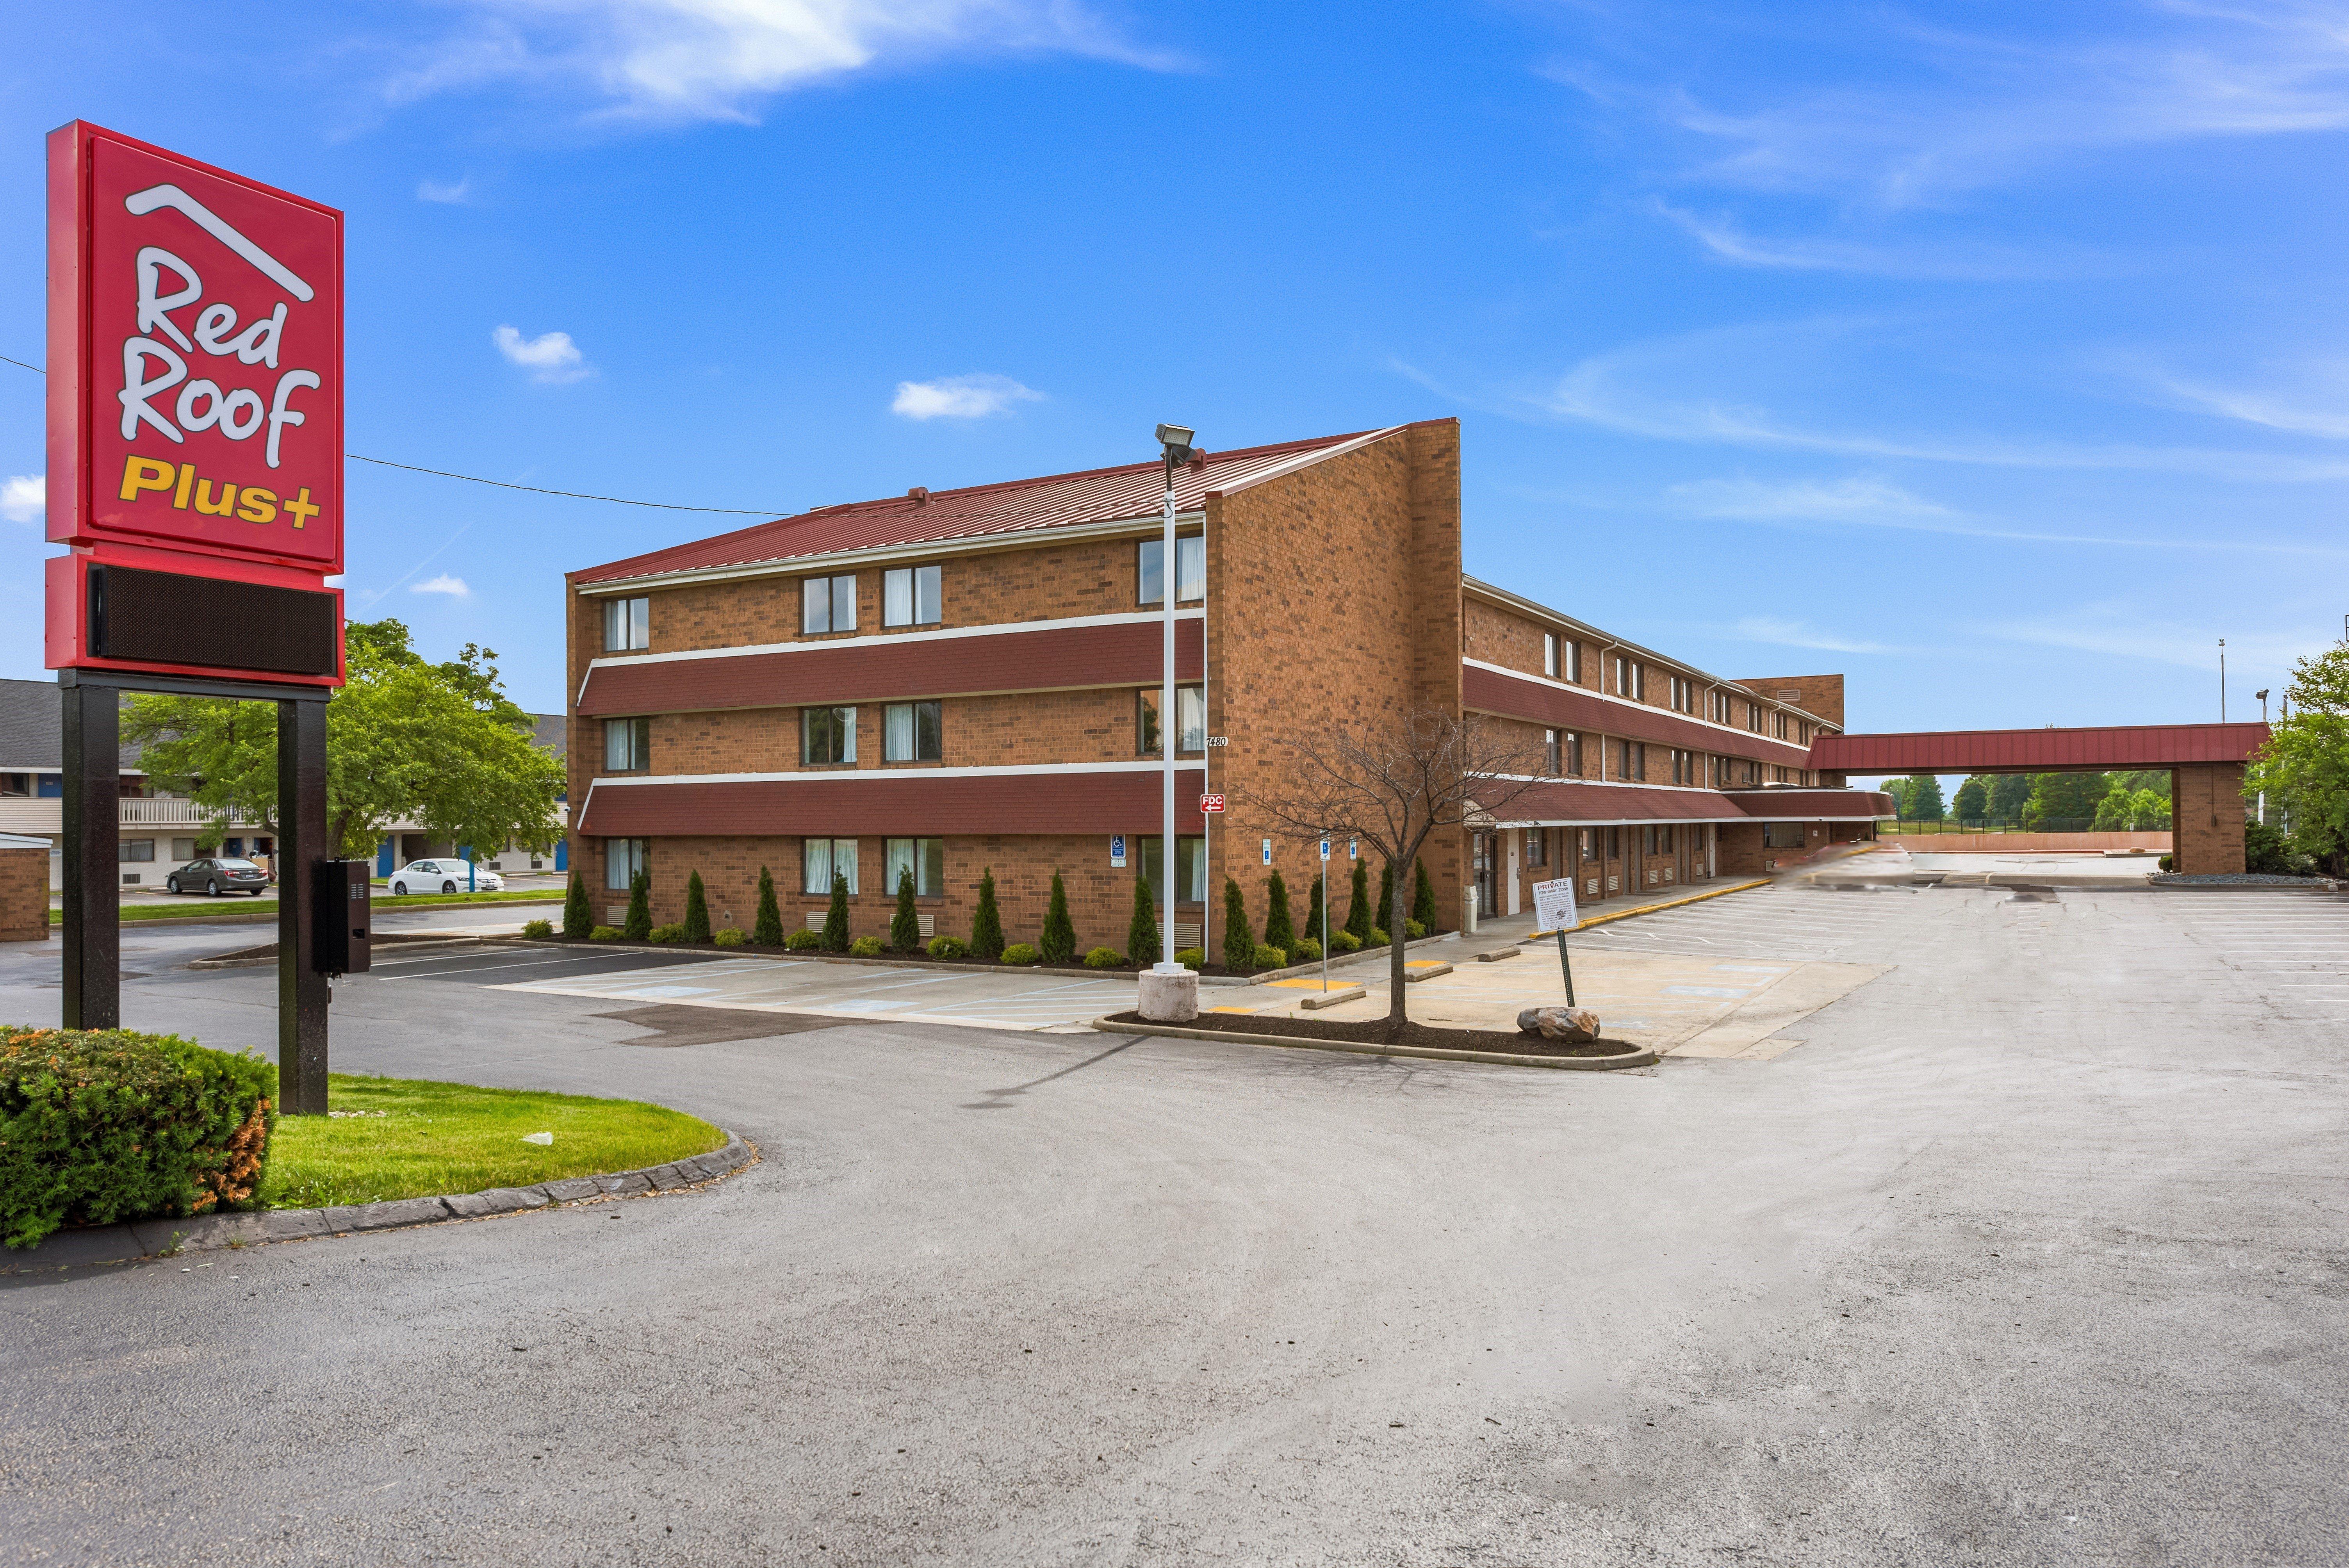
<point>897,804</point>
<point>2038,750</point>
<point>1572,803</point>
<point>1126,655</point>
<point>1489,691</point>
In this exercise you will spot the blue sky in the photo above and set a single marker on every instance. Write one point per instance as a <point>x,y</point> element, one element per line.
<point>1993,355</point>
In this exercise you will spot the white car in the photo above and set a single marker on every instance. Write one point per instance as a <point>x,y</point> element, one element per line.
<point>443,876</point>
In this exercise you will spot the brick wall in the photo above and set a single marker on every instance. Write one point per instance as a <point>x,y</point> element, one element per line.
<point>1821,696</point>
<point>2207,817</point>
<point>24,894</point>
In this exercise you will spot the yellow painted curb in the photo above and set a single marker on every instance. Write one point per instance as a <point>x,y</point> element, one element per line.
<point>1659,908</point>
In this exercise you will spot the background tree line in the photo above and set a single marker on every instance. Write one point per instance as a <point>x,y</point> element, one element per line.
<point>2100,802</point>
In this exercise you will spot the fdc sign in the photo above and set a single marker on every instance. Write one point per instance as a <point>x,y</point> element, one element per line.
<point>196,435</point>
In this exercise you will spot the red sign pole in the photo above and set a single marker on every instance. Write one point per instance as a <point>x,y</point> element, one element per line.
<point>195,462</point>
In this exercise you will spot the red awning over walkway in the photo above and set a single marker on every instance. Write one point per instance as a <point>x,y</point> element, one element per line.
<point>2049,750</point>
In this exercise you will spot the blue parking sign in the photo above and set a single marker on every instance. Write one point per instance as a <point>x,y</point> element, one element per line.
<point>1117,849</point>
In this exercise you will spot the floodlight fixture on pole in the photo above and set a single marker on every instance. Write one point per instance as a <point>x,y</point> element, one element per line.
<point>2222,676</point>
<point>2262,694</point>
<point>1176,441</point>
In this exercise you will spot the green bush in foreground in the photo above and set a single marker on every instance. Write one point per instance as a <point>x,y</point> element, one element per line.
<point>1191,958</point>
<point>664,934</point>
<point>1379,938</point>
<point>866,947</point>
<point>102,1125</point>
<point>835,915</point>
<point>949,947</point>
<point>605,934</point>
<point>1021,952</point>
<point>1142,931</point>
<point>697,910</point>
<point>1307,951</point>
<point>537,928</point>
<point>578,918</point>
<point>1239,941</point>
<point>640,923</point>
<point>767,928</point>
<point>1104,958</point>
<point>1413,930</point>
<point>986,921</point>
<point>1344,940</point>
<point>1270,958</point>
<point>803,939</point>
<point>1059,942</point>
<point>905,925</point>
<point>729,937</point>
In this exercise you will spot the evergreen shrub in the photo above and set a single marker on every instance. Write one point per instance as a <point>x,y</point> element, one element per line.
<point>1423,899</point>
<point>767,926</point>
<point>1141,931</point>
<point>905,925</point>
<point>1413,930</point>
<point>866,947</point>
<point>729,937</point>
<point>1104,958</point>
<point>1379,938</point>
<point>1021,952</point>
<point>803,939</point>
<point>835,915</point>
<point>639,924</point>
<point>1278,930</point>
<point>99,1125</point>
<point>664,934</point>
<point>605,934</point>
<point>1344,940</point>
<point>1059,942</point>
<point>986,921</point>
<point>697,910</point>
<point>537,928</point>
<point>1239,942</point>
<point>949,947</point>
<point>1191,958</point>
<point>578,919</point>
<point>1268,956</point>
<point>1307,951</point>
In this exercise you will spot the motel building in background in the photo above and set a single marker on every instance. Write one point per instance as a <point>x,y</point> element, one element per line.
<point>967,680</point>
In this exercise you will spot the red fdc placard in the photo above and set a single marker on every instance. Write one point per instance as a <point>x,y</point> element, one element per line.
<point>196,375</point>
<point>1211,802</point>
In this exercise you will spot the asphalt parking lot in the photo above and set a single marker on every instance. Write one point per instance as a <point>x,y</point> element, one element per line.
<point>2031,1253</point>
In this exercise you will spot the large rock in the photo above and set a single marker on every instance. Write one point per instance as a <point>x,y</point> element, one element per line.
<point>1574,1026</point>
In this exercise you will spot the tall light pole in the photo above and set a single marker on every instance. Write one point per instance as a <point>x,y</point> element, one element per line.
<point>1175,442</point>
<point>2222,654</point>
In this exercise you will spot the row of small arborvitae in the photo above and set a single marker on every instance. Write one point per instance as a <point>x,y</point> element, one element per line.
<point>1057,943</point>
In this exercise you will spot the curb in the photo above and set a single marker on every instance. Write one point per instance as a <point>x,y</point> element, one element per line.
<point>1642,1058</point>
<point>269,913</point>
<point>210,1233</point>
<point>1654,908</point>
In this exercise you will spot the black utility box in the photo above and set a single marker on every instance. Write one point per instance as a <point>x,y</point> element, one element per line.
<point>340,934</point>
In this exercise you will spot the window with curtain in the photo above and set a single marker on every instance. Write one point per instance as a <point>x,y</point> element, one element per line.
<point>926,858</point>
<point>1190,570</point>
<point>1537,847</point>
<point>910,732</point>
<point>828,603</point>
<point>1190,868</point>
<point>1190,708</point>
<point>910,596</point>
<point>1550,743</point>
<point>627,744</point>
<point>824,857</point>
<point>827,734</point>
<point>627,625</point>
<point>623,859</point>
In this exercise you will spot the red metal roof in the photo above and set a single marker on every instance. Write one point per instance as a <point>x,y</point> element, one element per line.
<point>1522,696</point>
<point>909,803</point>
<point>2049,750</point>
<point>1055,501</point>
<point>1571,801</point>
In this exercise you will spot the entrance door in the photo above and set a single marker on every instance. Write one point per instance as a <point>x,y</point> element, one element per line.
<point>1484,847</point>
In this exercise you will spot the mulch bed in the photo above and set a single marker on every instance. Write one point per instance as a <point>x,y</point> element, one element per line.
<point>891,956</point>
<point>1377,1032</point>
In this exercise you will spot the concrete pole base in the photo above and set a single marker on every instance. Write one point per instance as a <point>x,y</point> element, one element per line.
<point>1169,998</point>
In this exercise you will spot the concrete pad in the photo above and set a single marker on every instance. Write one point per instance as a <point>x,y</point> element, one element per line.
<point>1783,1002</point>
<point>1412,973</point>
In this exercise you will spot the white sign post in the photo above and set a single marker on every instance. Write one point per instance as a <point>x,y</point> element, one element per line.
<point>1554,908</point>
<point>1324,914</point>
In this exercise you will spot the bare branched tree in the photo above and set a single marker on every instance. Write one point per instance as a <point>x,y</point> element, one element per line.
<point>1393,788</point>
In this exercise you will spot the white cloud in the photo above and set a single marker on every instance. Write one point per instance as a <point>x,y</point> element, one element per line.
<point>1947,261</point>
<point>2319,406</point>
<point>2117,630</point>
<point>714,59</point>
<point>25,498</point>
<point>453,195</point>
<point>961,397</point>
<point>1799,634</point>
<point>444,583</point>
<point>1855,500</point>
<point>550,357</point>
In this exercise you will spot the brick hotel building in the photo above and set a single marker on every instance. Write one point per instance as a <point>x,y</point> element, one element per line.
<point>968,679</point>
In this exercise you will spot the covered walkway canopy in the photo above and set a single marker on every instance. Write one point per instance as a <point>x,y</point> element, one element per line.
<point>2205,762</point>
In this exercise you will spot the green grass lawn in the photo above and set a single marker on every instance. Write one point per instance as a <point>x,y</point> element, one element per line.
<point>437,1138</point>
<point>227,908</point>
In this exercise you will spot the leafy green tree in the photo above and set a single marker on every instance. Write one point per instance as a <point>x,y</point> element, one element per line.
<point>1278,930</point>
<point>1142,931</point>
<point>1923,802</point>
<point>1899,789</point>
<point>578,918</point>
<point>2068,800</point>
<point>1358,903</point>
<point>2009,793</point>
<point>835,915</point>
<point>905,925</point>
<point>767,931</point>
<point>1972,802</point>
<point>986,921</point>
<point>439,744</point>
<point>697,910</point>
<point>1239,943</point>
<point>2304,766</point>
<point>1423,899</point>
<point>2154,779</point>
<point>1058,941</point>
<point>639,924</point>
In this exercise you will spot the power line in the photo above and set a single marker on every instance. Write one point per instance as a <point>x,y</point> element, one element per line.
<point>534,489</point>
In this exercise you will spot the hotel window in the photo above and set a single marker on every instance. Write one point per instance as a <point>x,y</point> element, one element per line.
<point>1683,696</point>
<point>1782,835</point>
<point>926,858</point>
<point>622,860</point>
<point>1585,844</point>
<point>1190,570</point>
<point>627,625</point>
<point>909,733</point>
<point>823,857</point>
<point>827,604</point>
<point>1536,848</point>
<point>16,784</point>
<point>1190,709</point>
<point>1549,654</point>
<point>1574,755</point>
<point>1664,838</point>
<point>1631,760</point>
<point>910,596</point>
<point>1190,868</point>
<point>134,849</point>
<point>827,734</point>
<point>627,744</point>
<point>1615,843</point>
<point>1550,740</point>
<point>1648,841</point>
<point>182,851</point>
